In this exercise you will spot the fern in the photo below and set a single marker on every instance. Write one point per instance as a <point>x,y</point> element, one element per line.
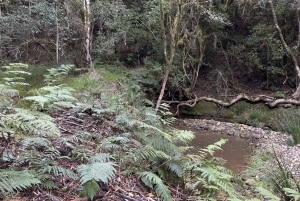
<point>52,97</point>
<point>153,181</point>
<point>31,122</point>
<point>12,181</point>
<point>14,69</point>
<point>208,174</point>
<point>101,157</point>
<point>35,142</point>
<point>91,188</point>
<point>56,75</point>
<point>210,149</point>
<point>292,193</point>
<point>97,171</point>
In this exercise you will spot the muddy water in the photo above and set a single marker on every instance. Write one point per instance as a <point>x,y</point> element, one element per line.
<point>236,151</point>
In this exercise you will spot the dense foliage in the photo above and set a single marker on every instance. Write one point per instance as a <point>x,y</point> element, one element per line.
<point>173,45</point>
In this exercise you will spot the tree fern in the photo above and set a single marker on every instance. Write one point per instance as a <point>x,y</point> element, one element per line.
<point>153,181</point>
<point>16,180</point>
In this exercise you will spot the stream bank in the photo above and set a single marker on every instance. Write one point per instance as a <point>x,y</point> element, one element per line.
<point>262,140</point>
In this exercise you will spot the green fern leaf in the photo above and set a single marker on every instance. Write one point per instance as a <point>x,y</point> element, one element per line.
<point>16,180</point>
<point>183,136</point>
<point>176,167</point>
<point>268,194</point>
<point>35,142</point>
<point>49,184</point>
<point>97,171</point>
<point>292,193</point>
<point>153,181</point>
<point>31,122</point>
<point>102,158</point>
<point>213,147</point>
<point>91,188</point>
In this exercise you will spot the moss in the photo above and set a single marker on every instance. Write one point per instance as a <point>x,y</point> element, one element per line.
<point>203,108</point>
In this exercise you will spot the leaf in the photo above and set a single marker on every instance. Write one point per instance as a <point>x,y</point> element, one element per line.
<point>292,193</point>
<point>268,194</point>
<point>153,181</point>
<point>16,180</point>
<point>91,188</point>
<point>97,171</point>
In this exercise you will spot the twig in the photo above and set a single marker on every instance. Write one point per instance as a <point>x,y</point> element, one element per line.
<point>52,197</point>
<point>124,196</point>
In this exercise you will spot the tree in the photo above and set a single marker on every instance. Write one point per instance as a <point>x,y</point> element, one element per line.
<point>180,25</point>
<point>87,27</point>
<point>291,51</point>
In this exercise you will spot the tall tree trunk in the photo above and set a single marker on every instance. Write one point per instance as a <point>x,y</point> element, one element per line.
<point>57,35</point>
<point>296,95</point>
<point>87,26</point>
<point>174,24</point>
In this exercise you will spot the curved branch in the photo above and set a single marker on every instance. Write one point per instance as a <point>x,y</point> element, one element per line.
<point>269,101</point>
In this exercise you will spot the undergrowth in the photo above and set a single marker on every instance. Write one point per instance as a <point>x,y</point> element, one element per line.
<point>146,145</point>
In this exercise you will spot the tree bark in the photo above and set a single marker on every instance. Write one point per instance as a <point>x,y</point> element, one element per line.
<point>57,35</point>
<point>87,26</point>
<point>174,26</point>
<point>296,95</point>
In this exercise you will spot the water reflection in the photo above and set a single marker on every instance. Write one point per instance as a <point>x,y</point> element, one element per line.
<point>236,151</point>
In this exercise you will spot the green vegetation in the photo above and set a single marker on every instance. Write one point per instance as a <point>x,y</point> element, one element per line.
<point>288,121</point>
<point>144,137</point>
<point>138,54</point>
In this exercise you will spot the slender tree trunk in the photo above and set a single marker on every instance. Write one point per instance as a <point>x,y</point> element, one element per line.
<point>87,26</point>
<point>174,29</point>
<point>296,95</point>
<point>57,35</point>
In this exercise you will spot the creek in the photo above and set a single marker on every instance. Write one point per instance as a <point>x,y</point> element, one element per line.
<point>236,151</point>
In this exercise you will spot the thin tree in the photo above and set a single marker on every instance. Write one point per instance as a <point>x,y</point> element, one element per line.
<point>289,50</point>
<point>87,27</point>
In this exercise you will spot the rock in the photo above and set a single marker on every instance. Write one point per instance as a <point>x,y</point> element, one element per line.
<point>250,182</point>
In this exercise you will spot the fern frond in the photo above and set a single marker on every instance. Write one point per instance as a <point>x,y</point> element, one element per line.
<point>48,184</point>
<point>210,149</point>
<point>270,196</point>
<point>57,97</point>
<point>35,142</point>
<point>143,125</point>
<point>176,167</point>
<point>101,157</point>
<point>58,171</point>
<point>7,91</point>
<point>91,188</point>
<point>16,180</point>
<point>149,152</point>
<point>31,122</point>
<point>153,181</point>
<point>56,75</point>
<point>182,136</point>
<point>292,193</point>
<point>97,171</point>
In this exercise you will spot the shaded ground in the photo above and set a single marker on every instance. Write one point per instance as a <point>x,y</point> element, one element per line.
<point>121,187</point>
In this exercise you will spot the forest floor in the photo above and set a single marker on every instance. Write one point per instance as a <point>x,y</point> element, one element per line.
<point>121,187</point>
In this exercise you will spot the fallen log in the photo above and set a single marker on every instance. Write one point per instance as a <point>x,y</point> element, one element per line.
<point>269,101</point>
